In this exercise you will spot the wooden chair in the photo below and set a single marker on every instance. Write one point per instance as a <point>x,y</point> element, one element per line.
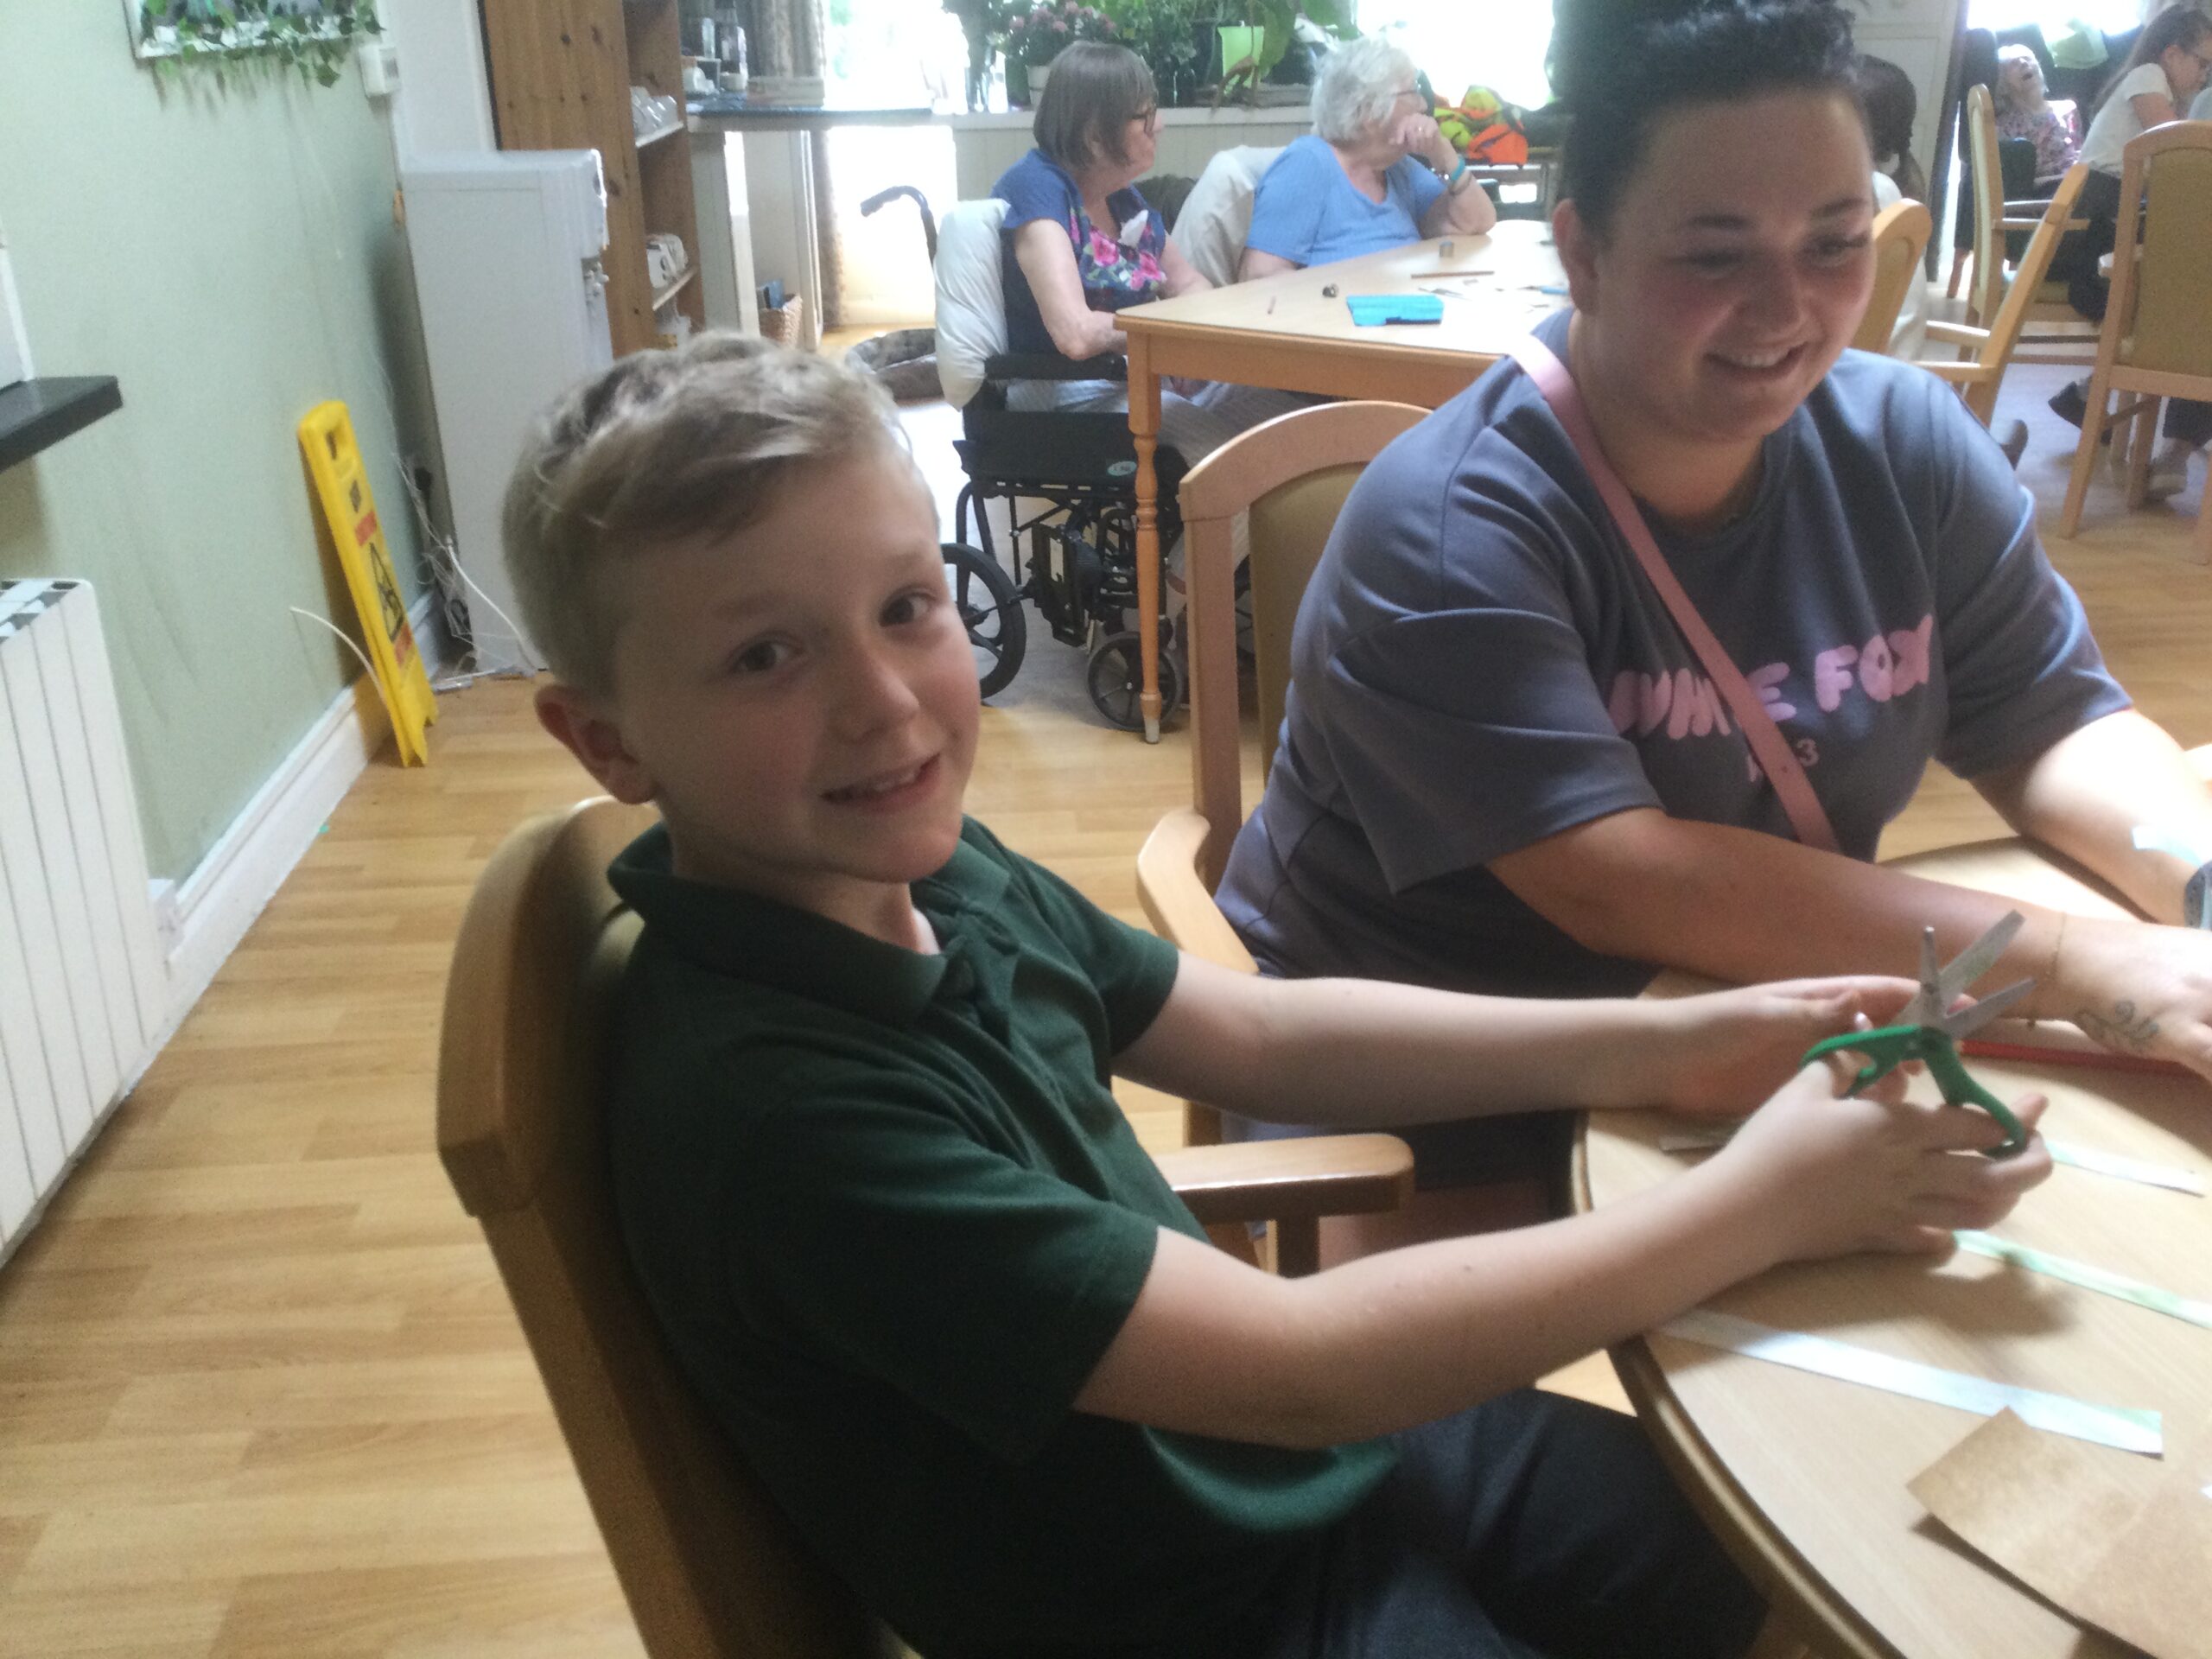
<point>1901,233</point>
<point>2049,329</point>
<point>1292,475</point>
<point>2157,339</point>
<point>1994,347</point>
<point>709,1566</point>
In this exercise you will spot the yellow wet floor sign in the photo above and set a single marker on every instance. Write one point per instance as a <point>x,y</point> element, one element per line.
<point>342,487</point>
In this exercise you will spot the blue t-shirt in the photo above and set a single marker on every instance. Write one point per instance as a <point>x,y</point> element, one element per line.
<point>1119,264</point>
<point>1308,212</point>
<point>1479,664</point>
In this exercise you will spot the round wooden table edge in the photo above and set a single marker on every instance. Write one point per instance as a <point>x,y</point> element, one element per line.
<point>1782,1574</point>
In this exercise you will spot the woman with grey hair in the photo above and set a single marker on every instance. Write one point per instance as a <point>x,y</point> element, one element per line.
<point>1375,173</point>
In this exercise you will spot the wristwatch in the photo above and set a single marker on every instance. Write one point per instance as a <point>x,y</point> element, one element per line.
<point>2196,899</point>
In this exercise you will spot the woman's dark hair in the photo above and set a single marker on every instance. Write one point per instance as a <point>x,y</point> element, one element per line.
<point>2181,25</point>
<point>1620,65</point>
<point>1088,99</point>
<point>1885,93</point>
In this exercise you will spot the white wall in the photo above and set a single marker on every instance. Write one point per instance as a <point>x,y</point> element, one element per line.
<point>443,101</point>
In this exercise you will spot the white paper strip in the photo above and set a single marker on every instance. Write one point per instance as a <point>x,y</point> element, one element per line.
<point>2089,1278</point>
<point>2128,1429</point>
<point>2127,1169</point>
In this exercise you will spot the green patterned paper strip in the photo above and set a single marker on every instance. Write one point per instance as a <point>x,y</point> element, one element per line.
<point>2089,1278</point>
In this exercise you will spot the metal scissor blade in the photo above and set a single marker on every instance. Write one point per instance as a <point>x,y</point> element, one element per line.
<point>1978,958</point>
<point>1927,1006</point>
<point>1966,1021</point>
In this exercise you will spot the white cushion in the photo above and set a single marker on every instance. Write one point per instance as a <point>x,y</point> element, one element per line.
<point>1217,215</point>
<point>971,296</point>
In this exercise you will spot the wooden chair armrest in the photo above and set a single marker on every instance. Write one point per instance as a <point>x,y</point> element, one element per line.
<point>1176,901</point>
<point>1964,373</point>
<point>1957,334</point>
<point>1291,1181</point>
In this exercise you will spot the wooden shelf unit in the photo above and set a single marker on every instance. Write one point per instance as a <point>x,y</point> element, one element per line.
<point>562,71</point>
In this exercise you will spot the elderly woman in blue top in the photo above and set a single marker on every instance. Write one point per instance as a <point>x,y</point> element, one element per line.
<point>1502,766</point>
<point>1375,172</point>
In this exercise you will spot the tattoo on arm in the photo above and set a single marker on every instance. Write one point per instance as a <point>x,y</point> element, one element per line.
<point>2120,1029</point>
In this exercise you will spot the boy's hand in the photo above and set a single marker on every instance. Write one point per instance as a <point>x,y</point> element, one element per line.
<point>1824,1174</point>
<point>1726,1052</point>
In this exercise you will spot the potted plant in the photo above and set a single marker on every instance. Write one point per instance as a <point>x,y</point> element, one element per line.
<point>1035,37</point>
<point>1257,35</point>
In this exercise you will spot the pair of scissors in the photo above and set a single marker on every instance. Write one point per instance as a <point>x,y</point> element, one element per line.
<point>1929,1029</point>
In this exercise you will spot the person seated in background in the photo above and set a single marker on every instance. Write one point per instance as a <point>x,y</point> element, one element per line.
<point>1080,243</point>
<point>2023,112</point>
<point>1885,93</point>
<point>2167,68</point>
<point>1375,173</point>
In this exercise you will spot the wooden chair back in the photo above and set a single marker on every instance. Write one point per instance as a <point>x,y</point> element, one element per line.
<point>1985,179</point>
<point>709,1566</point>
<point>2009,315</point>
<point>2156,342</point>
<point>1901,233</point>
<point>1291,475</point>
<point>2162,257</point>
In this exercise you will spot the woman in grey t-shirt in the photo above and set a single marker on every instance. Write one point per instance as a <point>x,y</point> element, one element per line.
<point>1502,767</point>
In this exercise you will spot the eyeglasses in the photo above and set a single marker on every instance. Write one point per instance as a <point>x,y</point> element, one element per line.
<point>1149,117</point>
<point>1413,92</point>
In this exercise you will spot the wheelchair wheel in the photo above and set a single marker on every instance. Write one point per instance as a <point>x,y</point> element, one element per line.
<point>1115,681</point>
<point>990,609</point>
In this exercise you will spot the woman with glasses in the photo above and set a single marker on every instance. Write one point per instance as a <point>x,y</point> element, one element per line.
<point>1080,243</point>
<point>2171,65</point>
<point>1375,172</point>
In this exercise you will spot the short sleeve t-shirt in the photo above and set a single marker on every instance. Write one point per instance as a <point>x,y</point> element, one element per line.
<point>2117,126</point>
<point>889,1216</point>
<point>1307,211</point>
<point>1479,664</point>
<point>1120,264</point>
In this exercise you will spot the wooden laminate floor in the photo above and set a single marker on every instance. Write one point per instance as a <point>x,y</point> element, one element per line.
<point>260,1391</point>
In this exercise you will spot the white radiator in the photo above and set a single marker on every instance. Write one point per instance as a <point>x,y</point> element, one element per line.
<point>83,983</point>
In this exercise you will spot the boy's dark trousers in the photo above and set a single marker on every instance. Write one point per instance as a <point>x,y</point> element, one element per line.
<point>1530,1525</point>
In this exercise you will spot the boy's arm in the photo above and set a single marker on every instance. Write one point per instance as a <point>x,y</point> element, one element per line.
<point>1348,1051</point>
<point>1214,1347</point>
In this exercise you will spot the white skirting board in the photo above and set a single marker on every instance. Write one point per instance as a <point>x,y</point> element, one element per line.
<point>233,883</point>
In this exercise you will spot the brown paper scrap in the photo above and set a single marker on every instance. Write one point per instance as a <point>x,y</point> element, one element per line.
<point>2118,1541</point>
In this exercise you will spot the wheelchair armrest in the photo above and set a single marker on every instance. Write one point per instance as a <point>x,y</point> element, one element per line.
<point>1050,366</point>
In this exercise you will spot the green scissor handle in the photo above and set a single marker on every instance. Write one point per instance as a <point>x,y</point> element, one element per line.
<point>1890,1047</point>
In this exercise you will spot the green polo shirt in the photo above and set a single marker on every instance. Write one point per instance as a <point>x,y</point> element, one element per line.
<point>890,1217</point>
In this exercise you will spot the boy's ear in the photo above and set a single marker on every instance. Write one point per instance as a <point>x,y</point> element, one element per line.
<point>586,730</point>
<point>1578,256</point>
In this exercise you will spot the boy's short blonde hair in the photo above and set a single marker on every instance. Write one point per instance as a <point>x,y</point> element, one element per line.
<point>660,449</point>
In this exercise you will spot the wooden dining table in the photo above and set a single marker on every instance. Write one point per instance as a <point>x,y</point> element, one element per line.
<point>1294,333</point>
<point>1804,1476</point>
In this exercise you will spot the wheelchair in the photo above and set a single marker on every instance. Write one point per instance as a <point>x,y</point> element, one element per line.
<point>1068,478</point>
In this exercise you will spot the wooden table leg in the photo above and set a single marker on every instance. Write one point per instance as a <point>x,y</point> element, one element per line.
<point>1144,428</point>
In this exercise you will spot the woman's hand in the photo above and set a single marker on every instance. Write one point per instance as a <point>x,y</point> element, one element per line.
<point>1823,1174</point>
<point>1724,1053</point>
<point>2136,987</point>
<point>1419,135</point>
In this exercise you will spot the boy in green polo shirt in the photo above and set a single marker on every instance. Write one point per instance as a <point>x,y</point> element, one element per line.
<point>897,1230</point>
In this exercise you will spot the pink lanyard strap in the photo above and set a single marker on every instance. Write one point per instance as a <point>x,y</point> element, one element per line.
<point>1768,745</point>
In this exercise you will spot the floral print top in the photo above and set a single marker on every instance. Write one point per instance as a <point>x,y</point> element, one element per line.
<point>1119,264</point>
